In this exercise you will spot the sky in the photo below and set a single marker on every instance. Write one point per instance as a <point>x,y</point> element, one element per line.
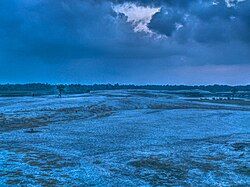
<point>189,42</point>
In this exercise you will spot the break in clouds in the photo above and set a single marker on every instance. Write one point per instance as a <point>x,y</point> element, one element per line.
<point>160,42</point>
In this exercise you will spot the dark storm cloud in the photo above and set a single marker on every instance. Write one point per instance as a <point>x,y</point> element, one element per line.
<point>171,3</point>
<point>78,36</point>
<point>71,29</point>
<point>204,21</point>
<point>165,22</point>
<point>54,28</point>
<point>76,29</point>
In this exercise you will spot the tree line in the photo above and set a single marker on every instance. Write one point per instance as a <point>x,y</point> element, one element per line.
<point>44,89</point>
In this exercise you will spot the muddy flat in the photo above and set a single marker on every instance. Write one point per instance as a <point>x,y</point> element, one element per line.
<point>123,138</point>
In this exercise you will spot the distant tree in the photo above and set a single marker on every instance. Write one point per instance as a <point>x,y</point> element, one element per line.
<point>60,89</point>
<point>234,92</point>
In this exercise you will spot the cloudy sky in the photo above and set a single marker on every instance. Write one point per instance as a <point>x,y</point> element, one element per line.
<point>122,41</point>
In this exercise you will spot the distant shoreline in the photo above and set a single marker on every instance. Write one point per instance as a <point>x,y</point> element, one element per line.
<point>39,89</point>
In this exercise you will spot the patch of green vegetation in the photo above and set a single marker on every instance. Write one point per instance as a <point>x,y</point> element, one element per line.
<point>245,170</point>
<point>165,172</point>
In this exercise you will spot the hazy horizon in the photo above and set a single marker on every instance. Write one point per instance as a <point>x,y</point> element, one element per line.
<point>65,83</point>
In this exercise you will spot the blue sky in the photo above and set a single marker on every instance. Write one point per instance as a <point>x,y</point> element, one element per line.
<point>110,41</point>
